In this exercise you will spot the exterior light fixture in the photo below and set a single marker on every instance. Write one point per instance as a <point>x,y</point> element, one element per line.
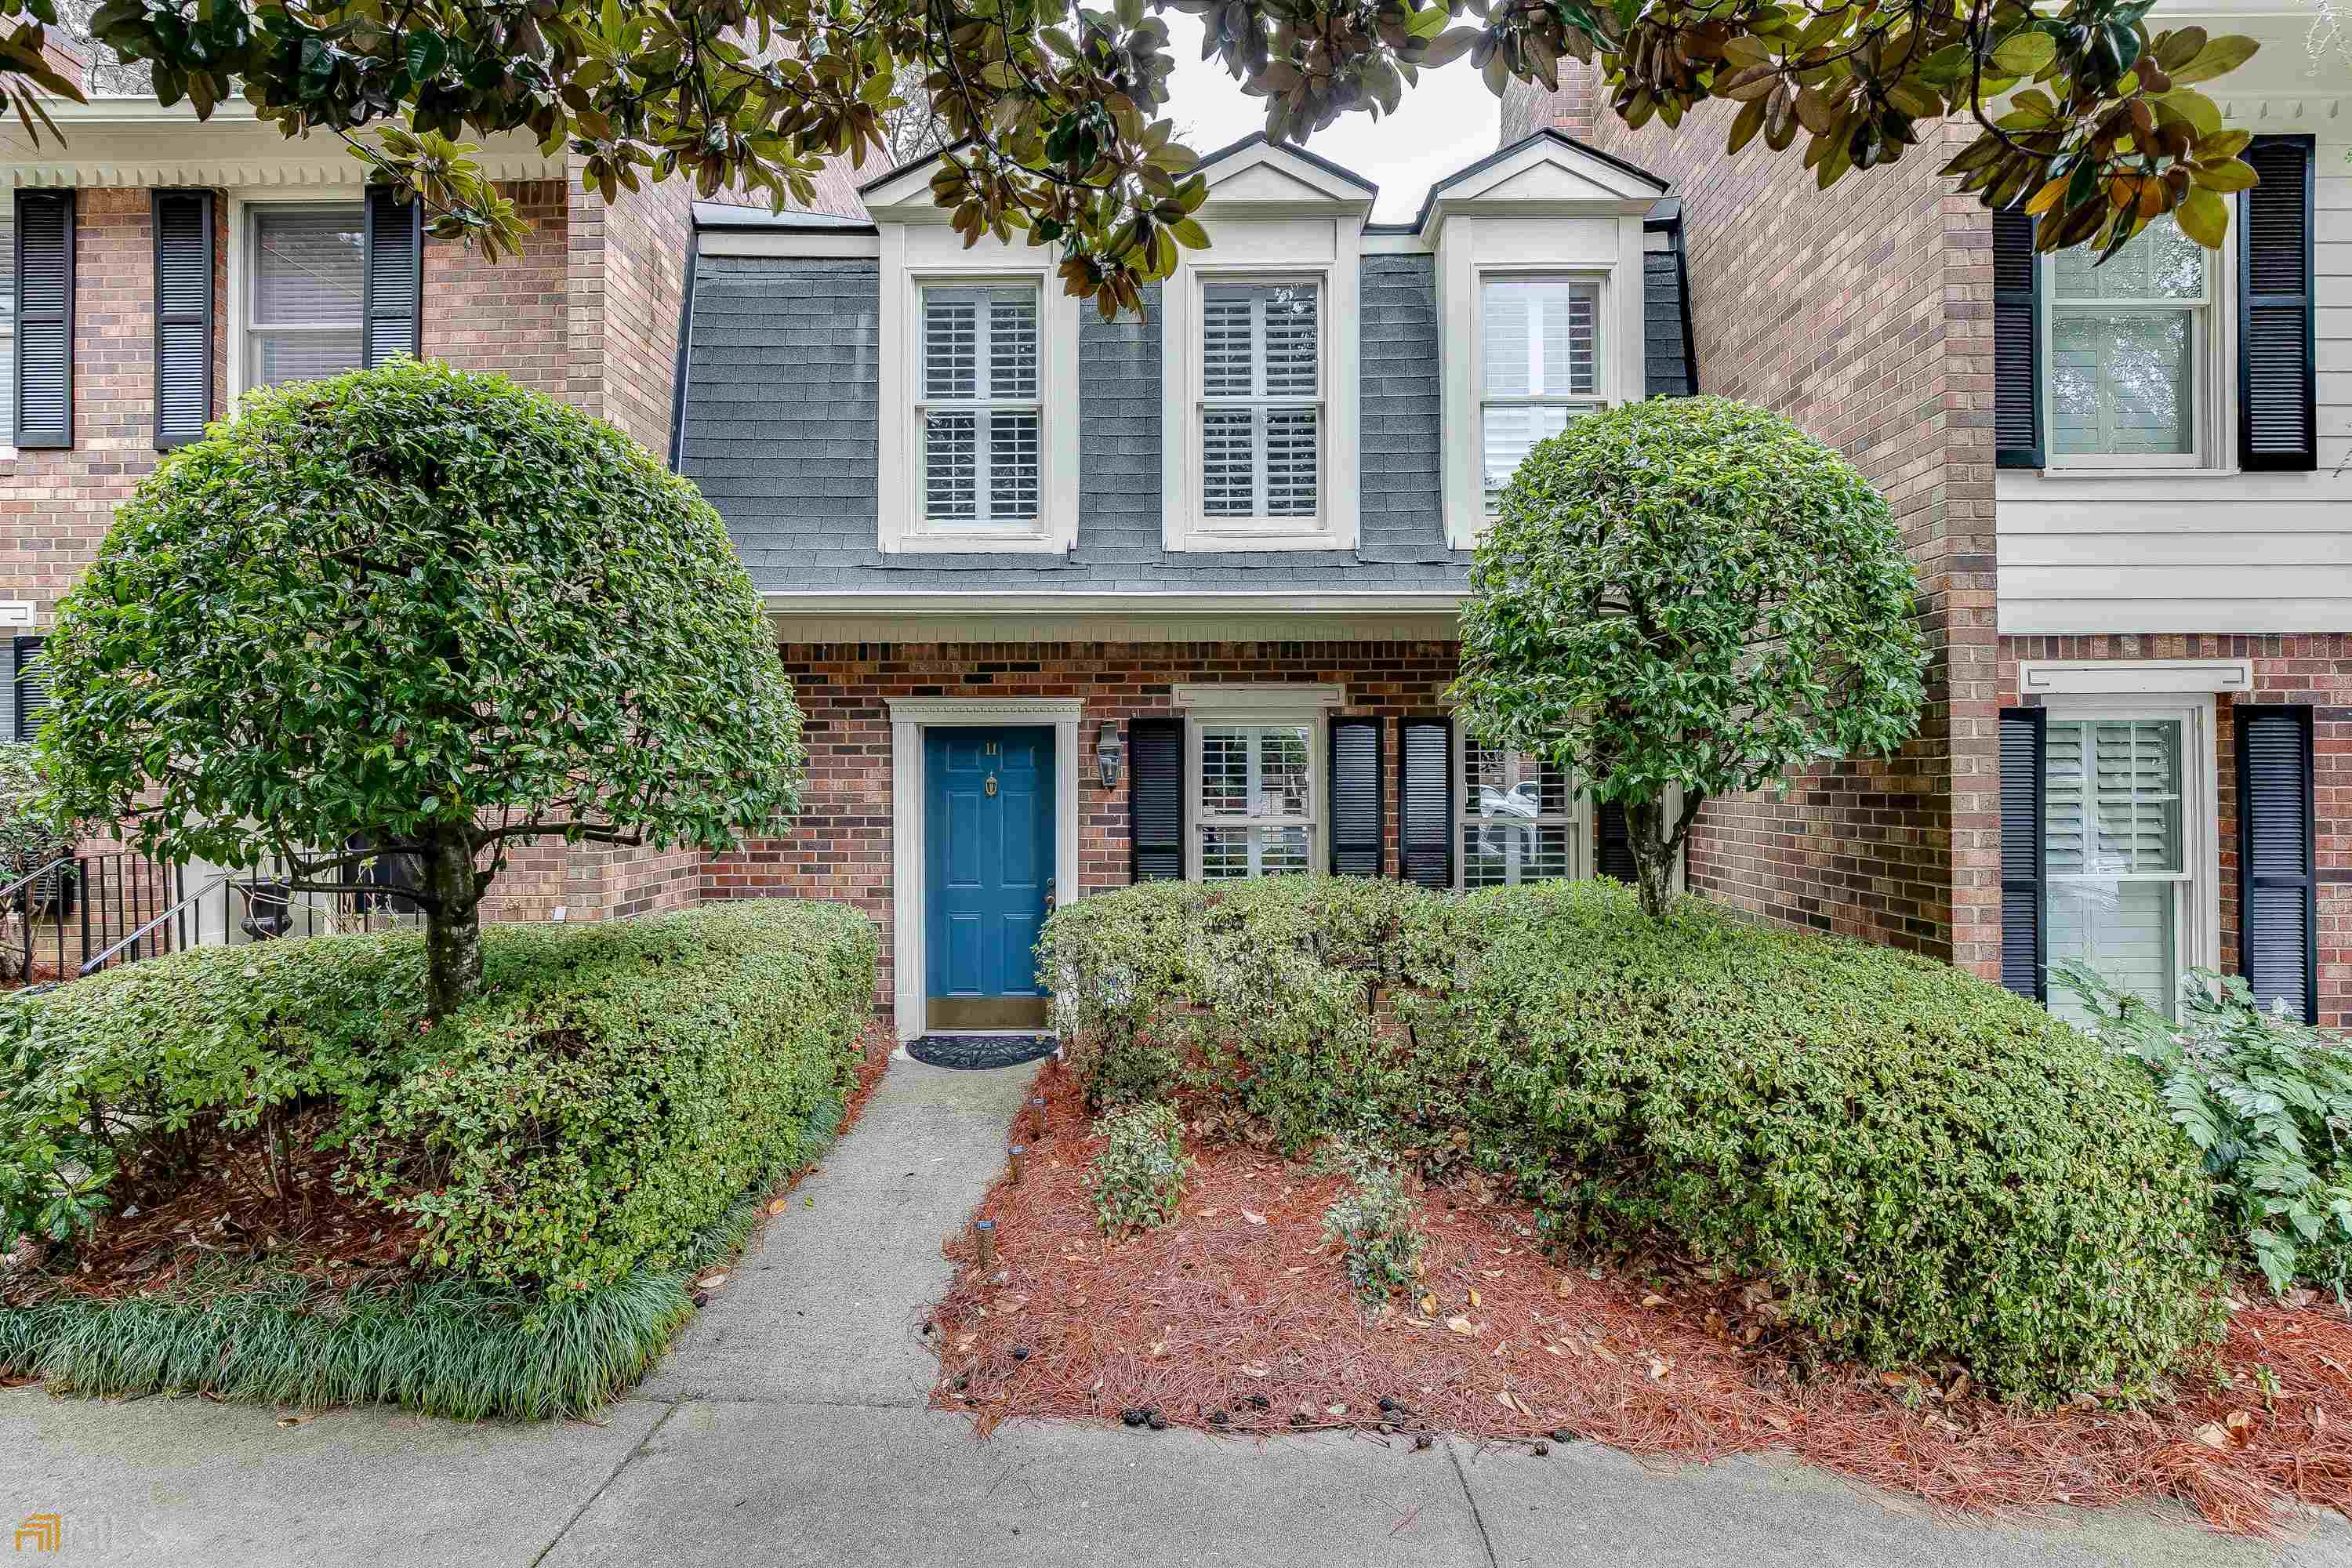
<point>1110,751</point>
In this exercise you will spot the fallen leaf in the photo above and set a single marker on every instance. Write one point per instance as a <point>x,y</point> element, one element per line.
<point>1461,1326</point>
<point>778,1207</point>
<point>1251,1369</point>
<point>1160,1347</point>
<point>1429,1306</point>
<point>1778,1423</point>
<point>1300,1268</point>
<point>296,1420</point>
<point>2213,1435</point>
<point>710,1281</point>
<point>1335,1410</point>
<point>1252,1218</point>
<point>1559,1287</point>
<point>1500,1346</point>
<point>1473,1298</point>
<point>1660,1366</point>
<point>1655,1299</point>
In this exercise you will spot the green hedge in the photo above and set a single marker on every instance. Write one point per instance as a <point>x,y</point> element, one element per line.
<point>1931,1167</point>
<point>616,1087</point>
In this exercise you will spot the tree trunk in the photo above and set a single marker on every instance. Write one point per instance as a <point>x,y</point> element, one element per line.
<point>1654,856</point>
<point>453,924</point>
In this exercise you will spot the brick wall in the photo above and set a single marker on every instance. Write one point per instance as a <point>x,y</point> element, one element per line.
<point>1860,314</point>
<point>840,845</point>
<point>2314,669</point>
<point>587,311</point>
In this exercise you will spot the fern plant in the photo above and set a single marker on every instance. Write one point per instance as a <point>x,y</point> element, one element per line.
<point>2267,1099</point>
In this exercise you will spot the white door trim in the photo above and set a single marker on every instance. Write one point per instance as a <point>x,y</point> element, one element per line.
<point>909,717</point>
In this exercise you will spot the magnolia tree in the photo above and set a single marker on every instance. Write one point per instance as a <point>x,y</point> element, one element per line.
<point>413,611</point>
<point>2078,105</point>
<point>1685,598</point>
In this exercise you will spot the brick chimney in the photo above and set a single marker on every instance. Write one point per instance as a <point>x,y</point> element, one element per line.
<point>65,58</point>
<point>1528,107</point>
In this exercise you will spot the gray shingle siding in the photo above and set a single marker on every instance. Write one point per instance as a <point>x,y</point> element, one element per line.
<point>1662,338</point>
<point>781,411</point>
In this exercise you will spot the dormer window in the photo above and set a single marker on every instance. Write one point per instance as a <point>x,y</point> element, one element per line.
<point>981,418</point>
<point>1538,338</point>
<point>1260,411</point>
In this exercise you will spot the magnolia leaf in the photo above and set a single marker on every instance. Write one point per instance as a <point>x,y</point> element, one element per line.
<point>2026,53</point>
<point>2204,217</point>
<point>2218,57</point>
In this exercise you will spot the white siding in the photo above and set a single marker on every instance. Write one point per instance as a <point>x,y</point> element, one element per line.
<point>2207,552</point>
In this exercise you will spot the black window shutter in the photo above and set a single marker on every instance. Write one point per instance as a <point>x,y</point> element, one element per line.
<point>2278,892</point>
<point>1155,787</point>
<point>32,687</point>
<point>1613,845</point>
<point>391,291</point>
<point>1426,785</point>
<point>2278,419</point>
<point>45,317</point>
<point>1357,819</point>
<point>2016,343</point>
<point>2024,888</point>
<point>183,316</point>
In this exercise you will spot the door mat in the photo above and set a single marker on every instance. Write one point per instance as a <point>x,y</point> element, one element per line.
<point>978,1052</point>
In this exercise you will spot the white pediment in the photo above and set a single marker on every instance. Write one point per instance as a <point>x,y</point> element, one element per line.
<point>1548,167</point>
<point>1258,173</point>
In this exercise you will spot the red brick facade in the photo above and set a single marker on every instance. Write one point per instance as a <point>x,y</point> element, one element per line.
<point>1865,320</point>
<point>840,845</point>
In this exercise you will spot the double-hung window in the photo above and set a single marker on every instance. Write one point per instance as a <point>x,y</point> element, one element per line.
<point>305,315</point>
<point>1257,807</point>
<point>980,421</point>
<point>1519,819</point>
<point>2130,344</point>
<point>1261,409</point>
<point>2116,853</point>
<point>1539,366</point>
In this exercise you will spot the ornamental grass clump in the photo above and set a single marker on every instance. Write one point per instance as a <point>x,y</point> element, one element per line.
<point>1925,1167</point>
<point>1138,1177</point>
<point>1380,1245</point>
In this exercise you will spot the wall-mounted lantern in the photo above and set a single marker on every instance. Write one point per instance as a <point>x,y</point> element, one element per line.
<point>1110,751</point>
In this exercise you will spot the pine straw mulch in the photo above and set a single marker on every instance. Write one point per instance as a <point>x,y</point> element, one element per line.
<point>1236,1319</point>
<point>231,1214</point>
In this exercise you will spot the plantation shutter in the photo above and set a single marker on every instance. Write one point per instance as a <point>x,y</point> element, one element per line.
<point>392,292</point>
<point>1260,416</point>
<point>1155,752</point>
<point>183,316</point>
<point>983,424</point>
<point>2023,885</point>
<point>45,317</point>
<point>1357,822</point>
<point>2278,425</point>
<point>2277,885</point>
<point>32,687</point>
<point>2016,336</point>
<point>1425,801</point>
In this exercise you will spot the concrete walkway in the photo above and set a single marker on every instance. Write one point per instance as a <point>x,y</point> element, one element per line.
<point>789,1426</point>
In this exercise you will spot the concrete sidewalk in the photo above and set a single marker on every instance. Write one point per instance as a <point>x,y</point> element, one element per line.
<point>789,1426</point>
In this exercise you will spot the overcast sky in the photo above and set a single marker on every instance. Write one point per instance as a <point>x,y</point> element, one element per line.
<point>1448,120</point>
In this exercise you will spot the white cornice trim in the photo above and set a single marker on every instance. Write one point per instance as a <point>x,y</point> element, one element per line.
<point>969,603</point>
<point>134,142</point>
<point>2137,677</point>
<point>1255,697</point>
<point>804,244</point>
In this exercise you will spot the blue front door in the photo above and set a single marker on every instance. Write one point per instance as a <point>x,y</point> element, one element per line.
<point>988,858</point>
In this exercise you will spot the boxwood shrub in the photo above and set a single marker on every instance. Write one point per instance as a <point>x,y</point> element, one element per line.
<point>613,1091</point>
<point>1930,1167</point>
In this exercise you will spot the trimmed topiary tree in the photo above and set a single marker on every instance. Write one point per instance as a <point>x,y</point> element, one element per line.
<point>1689,596</point>
<point>417,611</point>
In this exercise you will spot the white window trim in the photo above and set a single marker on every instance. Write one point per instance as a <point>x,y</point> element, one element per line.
<point>898,446</point>
<point>1337,517</point>
<point>2145,678</point>
<point>909,886</point>
<point>241,262</point>
<point>2215,355</point>
<point>1603,332</point>
<point>1220,707</point>
<point>1472,249</point>
<point>2198,936</point>
<point>982,409</point>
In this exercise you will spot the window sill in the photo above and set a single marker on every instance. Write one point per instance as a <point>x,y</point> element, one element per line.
<point>1233,534</point>
<point>2131,473</point>
<point>975,543</point>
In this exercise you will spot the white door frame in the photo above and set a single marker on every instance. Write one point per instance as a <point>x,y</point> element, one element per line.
<point>909,884</point>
